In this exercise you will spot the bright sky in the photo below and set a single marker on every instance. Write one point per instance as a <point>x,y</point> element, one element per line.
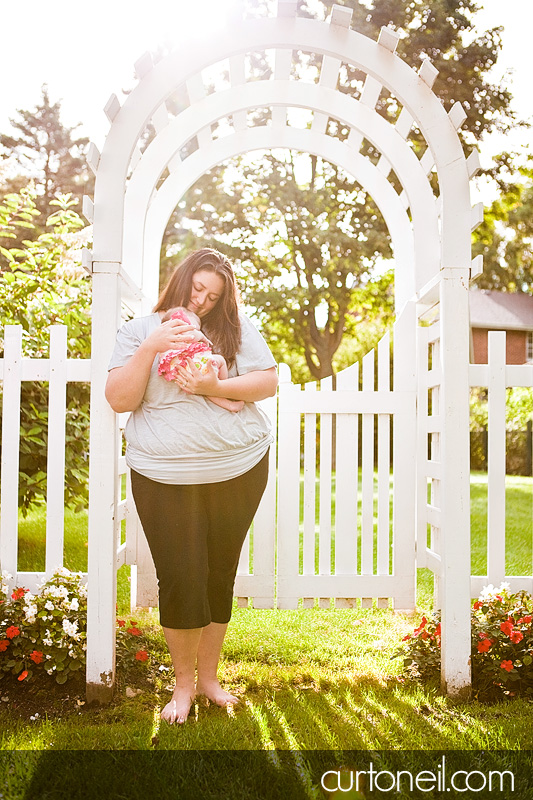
<point>86,55</point>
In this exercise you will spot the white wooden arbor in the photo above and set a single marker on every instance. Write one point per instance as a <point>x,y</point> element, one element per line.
<point>138,187</point>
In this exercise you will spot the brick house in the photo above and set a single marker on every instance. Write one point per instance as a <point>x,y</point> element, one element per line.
<point>511,312</point>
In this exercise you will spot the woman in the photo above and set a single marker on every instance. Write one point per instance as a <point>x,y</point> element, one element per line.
<point>198,470</point>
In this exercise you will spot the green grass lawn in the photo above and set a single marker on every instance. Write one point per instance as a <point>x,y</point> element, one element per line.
<point>315,680</point>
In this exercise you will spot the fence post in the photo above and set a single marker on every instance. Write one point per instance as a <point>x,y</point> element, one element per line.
<point>10,448</point>
<point>455,532</point>
<point>55,492</point>
<point>529,447</point>
<point>103,468</point>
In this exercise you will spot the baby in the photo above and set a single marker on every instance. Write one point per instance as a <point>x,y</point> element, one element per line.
<point>200,353</point>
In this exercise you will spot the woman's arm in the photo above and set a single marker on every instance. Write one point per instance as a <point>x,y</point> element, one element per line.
<point>126,385</point>
<point>250,387</point>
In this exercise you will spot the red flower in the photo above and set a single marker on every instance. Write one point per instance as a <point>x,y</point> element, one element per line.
<point>477,604</point>
<point>133,623</point>
<point>508,665</point>
<point>141,655</point>
<point>134,631</point>
<point>23,675</point>
<point>36,656</point>
<point>507,627</point>
<point>516,636</point>
<point>484,645</point>
<point>525,620</point>
<point>121,623</point>
<point>422,625</point>
<point>424,635</point>
<point>4,644</point>
<point>405,638</point>
<point>12,631</point>
<point>18,594</point>
<point>437,630</point>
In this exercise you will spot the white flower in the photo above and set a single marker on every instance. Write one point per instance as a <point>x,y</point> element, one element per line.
<point>63,572</point>
<point>75,605</point>
<point>28,597</point>
<point>49,605</point>
<point>30,613</point>
<point>6,580</point>
<point>490,593</point>
<point>48,643</point>
<point>83,590</point>
<point>71,628</point>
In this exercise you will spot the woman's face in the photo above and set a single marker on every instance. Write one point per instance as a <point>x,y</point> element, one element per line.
<point>206,291</point>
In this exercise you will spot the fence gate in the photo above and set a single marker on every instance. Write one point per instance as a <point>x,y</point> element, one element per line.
<point>359,428</point>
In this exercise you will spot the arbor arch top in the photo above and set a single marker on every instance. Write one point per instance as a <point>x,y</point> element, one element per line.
<point>127,191</point>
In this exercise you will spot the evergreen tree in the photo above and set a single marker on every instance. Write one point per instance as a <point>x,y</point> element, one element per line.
<point>46,152</point>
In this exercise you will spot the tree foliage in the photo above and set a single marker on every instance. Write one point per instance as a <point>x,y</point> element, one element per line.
<point>42,284</point>
<point>505,239</point>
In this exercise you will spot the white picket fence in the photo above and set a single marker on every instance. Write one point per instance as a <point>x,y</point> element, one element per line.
<point>58,370</point>
<point>496,377</point>
<point>363,545</point>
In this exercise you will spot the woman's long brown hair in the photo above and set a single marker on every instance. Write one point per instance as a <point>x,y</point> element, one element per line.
<point>221,324</point>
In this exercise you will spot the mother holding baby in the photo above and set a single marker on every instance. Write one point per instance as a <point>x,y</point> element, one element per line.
<point>198,468</point>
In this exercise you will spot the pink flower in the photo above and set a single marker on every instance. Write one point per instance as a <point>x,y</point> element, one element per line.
<point>141,655</point>
<point>12,631</point>
<point>508,665</point>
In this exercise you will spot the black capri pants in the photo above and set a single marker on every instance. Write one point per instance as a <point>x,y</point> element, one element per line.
<point>195,534</point>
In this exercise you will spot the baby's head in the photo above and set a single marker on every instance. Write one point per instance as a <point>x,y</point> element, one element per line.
<point>180,312</point>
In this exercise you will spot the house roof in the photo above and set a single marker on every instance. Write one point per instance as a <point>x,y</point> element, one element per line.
<point>501,310</point>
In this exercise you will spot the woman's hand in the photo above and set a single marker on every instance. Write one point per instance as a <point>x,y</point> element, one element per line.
<point>250,387</point>
<point>193,381</point>
<point>169,335</point>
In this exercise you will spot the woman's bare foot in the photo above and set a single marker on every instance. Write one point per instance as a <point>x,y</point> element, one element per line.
<point>215,693</point>
<point>177,709</point>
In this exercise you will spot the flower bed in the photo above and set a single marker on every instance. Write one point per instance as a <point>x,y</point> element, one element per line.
<point>46,633</point>
<point>502,644</point>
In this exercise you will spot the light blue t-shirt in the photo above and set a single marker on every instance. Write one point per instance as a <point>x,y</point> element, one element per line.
<point>175,437</point>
